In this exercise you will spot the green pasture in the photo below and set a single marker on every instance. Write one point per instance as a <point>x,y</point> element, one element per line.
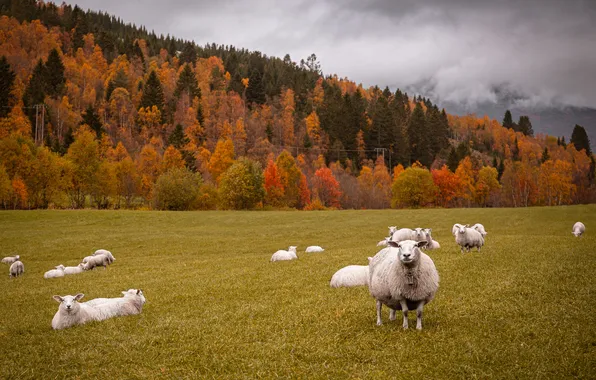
<point>524,307</point>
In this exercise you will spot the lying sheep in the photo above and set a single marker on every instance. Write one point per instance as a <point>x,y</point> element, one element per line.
<point>129,292</point>
<point>91,262</point>
<point>53,273</point>
<point>430,243</point>
<point>314,248</point>
<point>578,229</point>
<point>16,269</point>
<point>130,303</point>
<point>352,275</point>
<point>105,252</point>
<point>11,259</point>
<point>71,313</point>
<point>480,228</point>
<point>404,280</point>
<point>403,234</point>
<point>74,270</point>
<point>384,242</point>
<point>283,255</point>
<point>455,228</point>
<point>468,238</point>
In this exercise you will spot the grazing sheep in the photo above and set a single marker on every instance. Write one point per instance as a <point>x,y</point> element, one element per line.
<point>130,303</point>
<point>105,252</point>
<point>314,248</point>
<point>383,243</point>
<point>578,229</point>
<point>11,259</point>
<point>431,244</point>
<point>283,255</point>
<point>403,234</point>
<point>16,269</point>
<point>96,261</point>
<point>468,238</point>
<point>455,228</point>
<point>480,228</point>
<point>74,270</point>
<point>53,273</point>
<point>404,280</point>
<point>352,275</point>
<point>71,313</point>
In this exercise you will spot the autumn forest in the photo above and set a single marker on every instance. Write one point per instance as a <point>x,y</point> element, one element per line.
<point>95,112</point>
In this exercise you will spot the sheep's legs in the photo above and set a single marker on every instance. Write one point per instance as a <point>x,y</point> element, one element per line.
<point>404,309</point>
<point>419,315</point>
<point>392,313</point>
<point>379,307</point>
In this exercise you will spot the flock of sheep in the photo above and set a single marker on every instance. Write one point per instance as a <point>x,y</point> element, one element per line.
<point>404,279</point>
<point>70,311</point>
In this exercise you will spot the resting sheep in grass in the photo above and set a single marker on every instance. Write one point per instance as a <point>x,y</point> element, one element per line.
<point>314,248</point>
<point>350,276</point>
<point>403,234</point>
<point>106,253</point>
<point>384,242</point>
<point>74,270</point>
<point>283,255</point>
<point>128,293</point>
<point>91,262</point>
<point>431,244</point>
<point>130,303</point>
<point>71,313</point>
<point>480,228</point>
<point>11,259</point>
<point>403,279</point>
<point>468,238</point>
<point>53,273</point>
<point>16,269</point>
<point>578,229</point>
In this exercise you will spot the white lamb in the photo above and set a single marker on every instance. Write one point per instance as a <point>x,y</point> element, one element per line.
<point>71,313</point>
<point>105,252</point>
<point>314,248</point>
<point>578,229</point>
<point>16,269</point>
<point>455,228</point>
<point>74,270</point>
<point>468,238</point>
<point>53,273</point>
<point>430,243</point>
<point>480,228</point>
<point>91,262</point>
<point>11,259</point>
<point>403,279</point>
<point>403,234</point>
<point>350,276</point>
<point>283,255</point>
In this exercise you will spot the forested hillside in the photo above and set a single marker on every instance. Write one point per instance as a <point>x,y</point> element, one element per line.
<point>95,112</point>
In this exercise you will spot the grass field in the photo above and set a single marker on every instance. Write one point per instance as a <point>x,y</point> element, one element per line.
<point>525,307</point>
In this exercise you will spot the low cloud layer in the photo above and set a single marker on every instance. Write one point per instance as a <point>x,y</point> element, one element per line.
<point>461,51</point>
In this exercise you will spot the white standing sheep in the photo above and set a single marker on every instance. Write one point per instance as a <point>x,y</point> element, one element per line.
<point>578,229</point>
<point>53,273</point>
<point>16,269</point>
<point>480,228</point>
<point>468,238</point>
<point>71,313</point>
<point>283,255</point>
<point>74,270</point>
<point>91,262</point>
<point>350,276</point>
<point>403,279</point>
<point>106,253</point>
<point>314,248</point>
<point>11,259</point>
<point>430,243</point>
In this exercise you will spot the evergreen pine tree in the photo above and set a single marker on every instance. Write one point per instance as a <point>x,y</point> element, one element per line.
<point>153,93</point>
<point>508,120</point>
<point>545,155</point>
<point>452,160</point>
<point>580,139</point>
<point>137,52</point>
<point>515,151</point>
<point>495,162</point>
<point>501,169</point>
<point>35,92</point>
<point>55,79</point>
<point>419,139</point>
<point>255,93</point>
<point>306,143</point>
<point>7,77</point>
<point>525,126</point>
<point>200,117</point>
<point>80,26</point>
<point>563,143</point>
<point>187,83</point>
<point>177,138</point>
<point>189,54</point>
<point>91,118</point>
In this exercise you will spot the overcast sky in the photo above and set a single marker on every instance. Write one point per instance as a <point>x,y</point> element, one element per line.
<point>452,50</point>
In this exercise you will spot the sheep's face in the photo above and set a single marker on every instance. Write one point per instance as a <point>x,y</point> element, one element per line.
<point>135,292</point>
<point>392,230</point>
<point>17,257</point>
<point>427,232</point>
<point>408,250</point>
<point>576,233</point>
<point>462,229</point>
<point>292,248</point>
<point>69,303</point>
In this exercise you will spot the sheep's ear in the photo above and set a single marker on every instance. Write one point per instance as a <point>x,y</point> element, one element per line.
<point>138,291</point>
<point>392,243</point>
<point>58,299</point>
<point>421,244</point>
<point>369,259</point>
<point>124,293</point>
<point>79,296</point>
<point>467,226</point>
<point>430,230</point>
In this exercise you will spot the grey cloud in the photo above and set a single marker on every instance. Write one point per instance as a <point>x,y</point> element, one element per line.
<point>454,50</point>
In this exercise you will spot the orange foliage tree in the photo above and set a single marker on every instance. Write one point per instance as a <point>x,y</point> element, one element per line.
<point>326,188</point>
